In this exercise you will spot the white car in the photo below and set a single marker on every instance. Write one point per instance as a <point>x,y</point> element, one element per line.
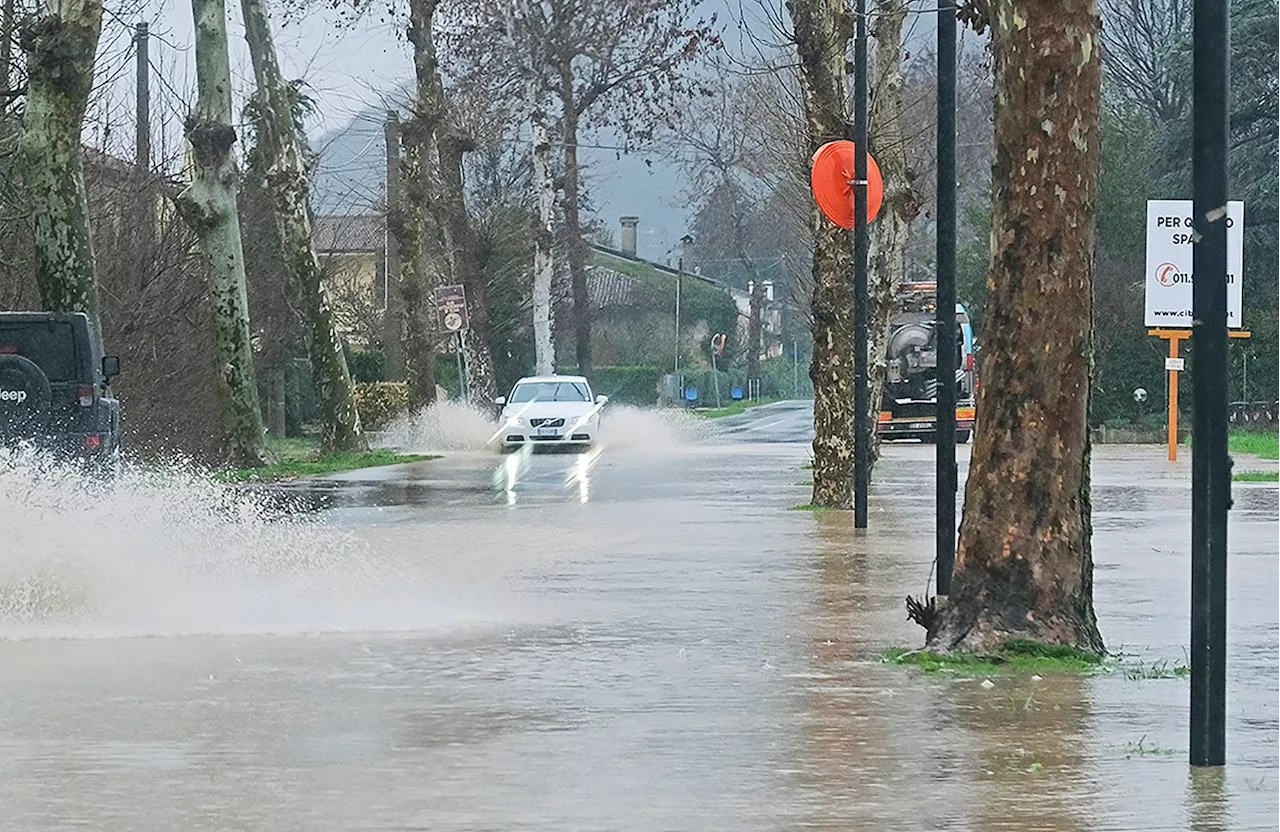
<point>556,411</point>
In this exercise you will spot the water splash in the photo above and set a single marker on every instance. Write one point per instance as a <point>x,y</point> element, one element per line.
<point>168,551</point>
<point>444,426</point>
<point>449,426</point>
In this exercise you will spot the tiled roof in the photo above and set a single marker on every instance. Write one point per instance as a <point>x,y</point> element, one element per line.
<point>608,288</point>
<point>343,233</point>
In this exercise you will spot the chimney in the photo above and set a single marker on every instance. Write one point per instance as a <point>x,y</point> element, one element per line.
<point>629,234</point>
<point>686,253</point>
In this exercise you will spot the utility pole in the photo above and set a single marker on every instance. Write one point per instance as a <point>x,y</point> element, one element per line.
<point>679,287</point>
<point>861,240</point>
<point>142,142</point>
<point>392,314</point>
<point>945,317</point>
<point>1210,464</point>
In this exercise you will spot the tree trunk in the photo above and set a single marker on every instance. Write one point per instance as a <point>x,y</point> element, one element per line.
<point>286,183</point>
<point>417,276</point>
<point>755,329</point>
<point>890,232</point>
<point>544,238</point>
<point>276,400</point>
<point>575,247</point>
<point>446,201</point>
<point>60,47</point>
<point>393,312</point>
<point>1024,567</point>
<point>822,32</point>
<point>209,206</point>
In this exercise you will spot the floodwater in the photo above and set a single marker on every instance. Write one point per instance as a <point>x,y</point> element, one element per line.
<point>640,638</point>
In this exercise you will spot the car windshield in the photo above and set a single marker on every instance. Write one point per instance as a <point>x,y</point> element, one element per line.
<point>51,347</point>
<point>550,391</point>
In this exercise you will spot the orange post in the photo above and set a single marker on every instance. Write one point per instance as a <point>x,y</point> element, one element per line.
<point>1173,400</point>
<point>1173,336</point>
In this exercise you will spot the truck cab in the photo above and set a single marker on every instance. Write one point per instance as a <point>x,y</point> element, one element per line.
<point>910,401</point>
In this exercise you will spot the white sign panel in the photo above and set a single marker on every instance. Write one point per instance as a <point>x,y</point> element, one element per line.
<point>1169,234</point>
<point>1175,364</point>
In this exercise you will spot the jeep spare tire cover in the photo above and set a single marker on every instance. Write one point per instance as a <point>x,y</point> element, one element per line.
<point>24,397</point>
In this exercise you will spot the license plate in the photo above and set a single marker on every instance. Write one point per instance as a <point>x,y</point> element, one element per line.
<point>548,431</point>
<point>921,425</point>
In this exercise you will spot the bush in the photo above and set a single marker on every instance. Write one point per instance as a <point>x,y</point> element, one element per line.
<point>379,402</point>
<point>364,365</point>
<point>629,385</point>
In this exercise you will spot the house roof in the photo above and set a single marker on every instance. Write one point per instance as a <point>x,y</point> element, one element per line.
<point>345,233</point>
<point>609,288</point>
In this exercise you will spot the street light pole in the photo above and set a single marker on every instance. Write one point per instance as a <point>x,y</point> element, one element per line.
<point>1210,464</point>
<point>945,312</point>
<point>861,240</point>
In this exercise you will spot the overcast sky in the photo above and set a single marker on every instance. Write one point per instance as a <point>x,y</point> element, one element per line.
<point>352,69</point>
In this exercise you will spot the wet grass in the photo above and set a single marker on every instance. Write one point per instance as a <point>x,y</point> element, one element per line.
<point>1265,444</point>
<point>735,408</point>
<point>302,457</point>
<point>1142,749</point>
<point>1256,476</point>
<point>812,507</point>
<point>1156,670</point>
<point>1016,656</point>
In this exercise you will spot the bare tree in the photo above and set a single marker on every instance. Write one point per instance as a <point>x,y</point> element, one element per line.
<point>1024,566</point>
<point>1139,40</point>
<point>209,207</point>
<point>60,46</point>
<point>286,184</point>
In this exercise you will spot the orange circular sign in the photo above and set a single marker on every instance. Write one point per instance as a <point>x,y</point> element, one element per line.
<point>832,177</point>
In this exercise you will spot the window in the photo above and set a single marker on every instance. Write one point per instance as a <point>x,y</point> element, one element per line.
<point>51,347</point>
<point>550,391</point>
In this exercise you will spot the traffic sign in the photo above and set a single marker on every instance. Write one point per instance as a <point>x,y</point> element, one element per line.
<point>1169,253</point>
<point>451,307</point>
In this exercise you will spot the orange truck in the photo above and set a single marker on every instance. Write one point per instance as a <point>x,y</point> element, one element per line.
<point>910,404</point>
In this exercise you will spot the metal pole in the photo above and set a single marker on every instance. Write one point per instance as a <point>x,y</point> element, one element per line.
<point>1210,465</point>
<point>795,370</point>
<point>142,142</point>
<point>945,313</point>
<point>679,284</point>
<point>463,392</point>
<point>861,434</point>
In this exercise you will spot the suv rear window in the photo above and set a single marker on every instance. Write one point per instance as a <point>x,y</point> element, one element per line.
<point>51,347</point>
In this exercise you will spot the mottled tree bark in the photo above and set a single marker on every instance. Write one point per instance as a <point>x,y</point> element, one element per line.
<point>208,205</point>
<point>286,184</point>
<point>822,31</point>
<point>60,46</point>
<point>891,230</point>
<point>544,238</point>
<point>418,276</point>
<point>1024,567</point>
<point>393,313</point>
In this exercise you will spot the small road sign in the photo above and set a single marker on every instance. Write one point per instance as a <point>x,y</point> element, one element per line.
<point>1177,365</point>
<point>451,307</point>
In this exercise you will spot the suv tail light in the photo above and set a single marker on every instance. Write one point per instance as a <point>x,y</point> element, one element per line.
<point>85,392</point>
<point>92,440</point>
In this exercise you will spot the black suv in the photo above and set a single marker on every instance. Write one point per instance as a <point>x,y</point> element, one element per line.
<point>55,387</point>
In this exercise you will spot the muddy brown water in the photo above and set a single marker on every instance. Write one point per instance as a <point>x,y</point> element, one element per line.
<point>642,639</point>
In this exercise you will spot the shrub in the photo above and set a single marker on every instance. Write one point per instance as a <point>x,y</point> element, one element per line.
<point>379,402</point>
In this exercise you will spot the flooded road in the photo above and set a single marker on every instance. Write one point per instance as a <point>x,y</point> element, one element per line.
<point>645,638</point>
